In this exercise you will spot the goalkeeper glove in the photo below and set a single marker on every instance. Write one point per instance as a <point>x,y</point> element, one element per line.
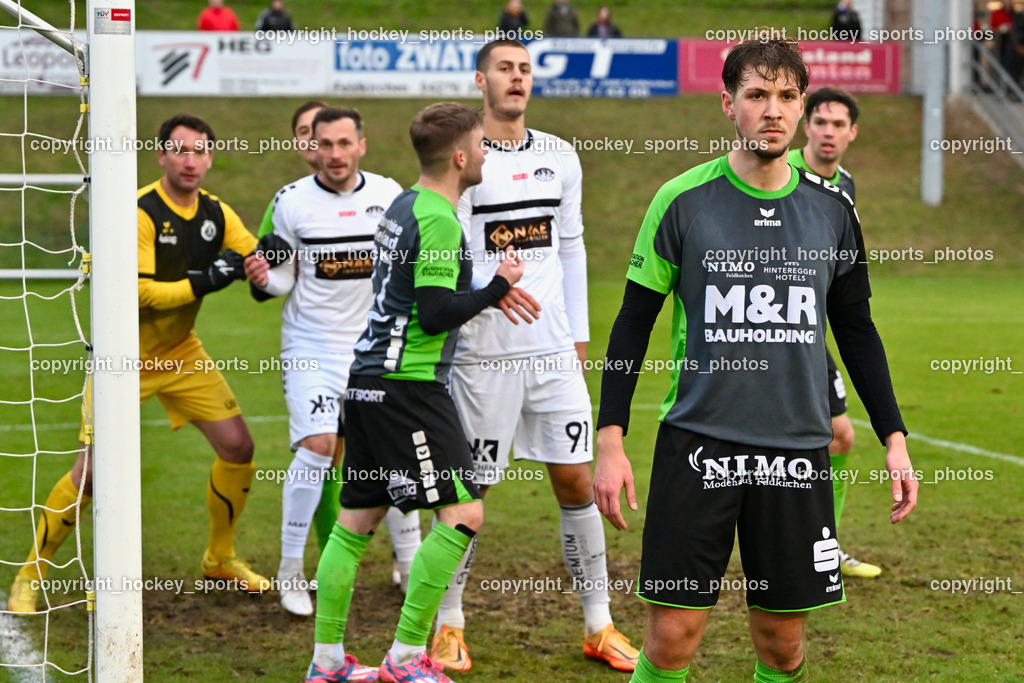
<point>227,267</point>
<point>274,249</point>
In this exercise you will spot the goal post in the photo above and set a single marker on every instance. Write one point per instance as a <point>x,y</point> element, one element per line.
<point>117,500</point>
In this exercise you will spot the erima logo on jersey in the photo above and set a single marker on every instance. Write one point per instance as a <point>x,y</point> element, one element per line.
<point>767,221</point>
<point>208,230</point>
<point>544,174</point>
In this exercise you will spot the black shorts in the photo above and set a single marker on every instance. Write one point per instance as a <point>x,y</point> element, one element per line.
<point>704,490</point>
<point>836,388</point>
<point>404,446</point>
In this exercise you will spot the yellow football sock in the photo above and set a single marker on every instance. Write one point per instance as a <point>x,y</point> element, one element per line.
<point>226,493</point>
<point>53,526</point>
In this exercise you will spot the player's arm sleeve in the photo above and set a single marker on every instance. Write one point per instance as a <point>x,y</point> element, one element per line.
<point>439,306</point>
<point>571,251</point>
<point>153,294</point>
<point>864,356</point>
<point>626,350</point>
<point>440,309</point>
<point>236,237</point>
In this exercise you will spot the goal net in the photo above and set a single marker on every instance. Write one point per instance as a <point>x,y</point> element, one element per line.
<point>68,312</point>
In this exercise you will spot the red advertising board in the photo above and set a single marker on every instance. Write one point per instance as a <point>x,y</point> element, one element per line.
<point>858,67</point>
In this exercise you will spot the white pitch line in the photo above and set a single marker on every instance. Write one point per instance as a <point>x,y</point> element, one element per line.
<point>941,443</point>
<point>954,446</point>
<point>16,648</point>
<point>259,419</point>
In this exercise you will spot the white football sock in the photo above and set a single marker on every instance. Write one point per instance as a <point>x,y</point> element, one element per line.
<point>300,496</point>
<point>329,656</point>
<point>405,533</point>
<point>450,612</point>
<point>403,653</point>
<point>583,550</point>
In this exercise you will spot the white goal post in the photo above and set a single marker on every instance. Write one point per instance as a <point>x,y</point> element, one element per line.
<point>108,58</point>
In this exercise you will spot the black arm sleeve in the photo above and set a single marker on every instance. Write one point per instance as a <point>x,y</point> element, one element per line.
<point>864,356</point>
<point>441,309</point>
<point>626,350</point>
<point>258,294</point>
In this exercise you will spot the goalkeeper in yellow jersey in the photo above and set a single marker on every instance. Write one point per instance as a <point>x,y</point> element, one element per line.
<point>190,244</point>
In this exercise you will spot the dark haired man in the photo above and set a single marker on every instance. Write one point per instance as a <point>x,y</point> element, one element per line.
<point>830,126</point>
<point>530,198</point>
<point>742,444</point>
<point>325,223</point>
<point>405,446</point>
<point>190,245</point>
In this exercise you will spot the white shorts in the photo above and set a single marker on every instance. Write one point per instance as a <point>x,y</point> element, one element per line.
<point>314,396</point>
<point>541,408</point>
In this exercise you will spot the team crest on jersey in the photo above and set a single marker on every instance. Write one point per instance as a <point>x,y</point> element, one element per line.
<point>525,233</point>
<point>375,211</point>
<point>208,230</point>
<point>545,174</point>
<point>347,265</point>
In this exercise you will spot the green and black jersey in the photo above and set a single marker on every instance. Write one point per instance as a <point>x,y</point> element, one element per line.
<point>418,243</point>
<point>842,179</point>
<point>750,273</point>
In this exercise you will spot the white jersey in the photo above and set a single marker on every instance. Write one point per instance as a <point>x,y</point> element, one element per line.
<point>328,280</point>
<point>529,198</point>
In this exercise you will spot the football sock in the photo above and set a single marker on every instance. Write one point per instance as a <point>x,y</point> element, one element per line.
<point>336,578</point>
<point>405,533</point>
<point>432,568</point>
<point>226,493</point>
<point>54,526</point>
<point>326,515</point>
<point>300,496</point>
<point>450,612</point>
<point>646,672</point>
<point>403,653</point>
<point>765,674</point>
<point>839,484</point>
<point>329,656</point>
<point>583,550</point>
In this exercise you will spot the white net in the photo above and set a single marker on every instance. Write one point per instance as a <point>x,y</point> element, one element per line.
<point>43,349</point>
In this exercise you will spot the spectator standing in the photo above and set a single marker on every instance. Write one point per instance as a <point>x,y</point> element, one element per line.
<point>603,26</point>
<point>217,17</point>
<point>513,20</point>
<point>274,18</point>
<point>846,21</point>
<point>561,20</point>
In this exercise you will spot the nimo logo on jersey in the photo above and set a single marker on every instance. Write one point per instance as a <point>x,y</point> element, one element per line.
<point>734,470</point>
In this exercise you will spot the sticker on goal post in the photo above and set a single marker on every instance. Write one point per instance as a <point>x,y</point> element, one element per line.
<point>113,22</point>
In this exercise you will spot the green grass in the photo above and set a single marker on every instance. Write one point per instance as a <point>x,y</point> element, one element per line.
<point>894,628</point>
<point>962,529</point>
<point>636,18</point>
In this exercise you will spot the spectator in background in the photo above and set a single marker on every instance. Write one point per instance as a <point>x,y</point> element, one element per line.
<point>846,21</point>
<point>513,20</point>
<point>561,20</point>
<point>217,17</point>
<point>603,27</point>
<point>274,18</point>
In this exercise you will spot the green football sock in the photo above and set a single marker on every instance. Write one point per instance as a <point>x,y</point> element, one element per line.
<point>432,568</point>
<point>335,578</point>
<point>646,672</point>
<point>839,484</point>
<point>765,674</point>
<point>326,514</point>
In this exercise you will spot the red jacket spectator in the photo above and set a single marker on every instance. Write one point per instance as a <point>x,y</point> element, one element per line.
<point>217,17</point>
